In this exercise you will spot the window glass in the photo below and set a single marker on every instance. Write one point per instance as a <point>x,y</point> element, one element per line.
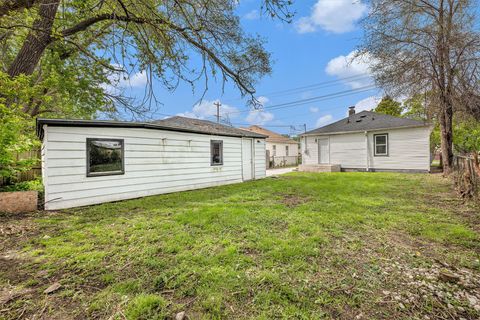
<point>104,156</point>
<point>216,147</point>
<point>381,144</point>
<point>286,150</point>
<point>274,150</point>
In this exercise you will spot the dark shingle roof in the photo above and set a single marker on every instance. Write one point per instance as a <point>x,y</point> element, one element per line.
<point>365,121</point>
<point>206,126</point>
<point>180,124</point>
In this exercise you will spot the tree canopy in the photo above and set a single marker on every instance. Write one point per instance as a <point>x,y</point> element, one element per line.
<point>171,41</point>
<point>389,106</point>
<point>427,46</point>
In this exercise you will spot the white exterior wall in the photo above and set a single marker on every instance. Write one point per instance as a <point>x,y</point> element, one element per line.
<point>260,165</point>
<point>156,162</point>
<point>281,150</point>
<point>309,150</point>
<point>409,149</point>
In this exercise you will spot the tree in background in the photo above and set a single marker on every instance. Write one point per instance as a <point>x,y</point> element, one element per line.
<point>427,46</point>
<point>389,106</point>
<point>170,41</point>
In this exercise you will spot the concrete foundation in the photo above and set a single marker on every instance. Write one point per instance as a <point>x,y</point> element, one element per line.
<point>319,168</point>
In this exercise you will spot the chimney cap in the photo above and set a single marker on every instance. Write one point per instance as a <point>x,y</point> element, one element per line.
<point>351,111</point>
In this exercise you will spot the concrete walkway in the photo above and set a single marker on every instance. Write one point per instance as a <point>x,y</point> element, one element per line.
<point>276,172</point>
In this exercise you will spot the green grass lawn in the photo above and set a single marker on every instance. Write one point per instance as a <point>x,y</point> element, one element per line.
<point>301,246</point>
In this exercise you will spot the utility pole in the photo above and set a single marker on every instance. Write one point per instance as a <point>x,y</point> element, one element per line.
<point>218,104</point>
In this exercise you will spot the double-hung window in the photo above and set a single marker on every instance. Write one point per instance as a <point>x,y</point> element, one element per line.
<point>274,150</point>
<point>286,151</point>
<point>216,152</point>
<point>381,144</point>
<point>105,157</point>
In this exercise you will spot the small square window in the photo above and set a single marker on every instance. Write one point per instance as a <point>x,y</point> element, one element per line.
<point>216,152</point>
<point>105,157</point>
<point>381,144</point>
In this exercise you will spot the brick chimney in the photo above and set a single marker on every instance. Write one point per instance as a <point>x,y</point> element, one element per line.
<point>351,111</point>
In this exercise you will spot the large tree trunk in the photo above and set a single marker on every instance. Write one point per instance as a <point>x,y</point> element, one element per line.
<point>446,137</point>
<point>37,40</point>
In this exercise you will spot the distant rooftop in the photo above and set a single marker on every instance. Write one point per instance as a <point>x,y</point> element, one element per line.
<point>272,136</point>
<point>365,121</point>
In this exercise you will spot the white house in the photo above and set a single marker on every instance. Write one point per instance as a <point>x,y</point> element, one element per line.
<point>368,141</point>
<point>87,162</point>
<point>281,150</point>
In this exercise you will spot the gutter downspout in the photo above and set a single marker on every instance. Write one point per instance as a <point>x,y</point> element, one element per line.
<point>367,152</point>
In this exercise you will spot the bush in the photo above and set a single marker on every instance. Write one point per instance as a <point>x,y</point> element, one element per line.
<point>33,185</point>
<point>147,307</point>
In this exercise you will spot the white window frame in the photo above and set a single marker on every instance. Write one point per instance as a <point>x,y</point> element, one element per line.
<point>375,144</point>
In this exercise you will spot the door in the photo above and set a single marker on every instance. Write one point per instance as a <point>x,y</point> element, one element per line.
<point>247,159</point>
<point>323,151</point>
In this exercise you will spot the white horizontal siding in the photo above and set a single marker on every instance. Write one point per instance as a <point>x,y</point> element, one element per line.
<point>409,149</point>
<point>348,150</point>
<point>309,150</point>
<point>281,150</point>
<point>259,158</point>
<point>156,162</point>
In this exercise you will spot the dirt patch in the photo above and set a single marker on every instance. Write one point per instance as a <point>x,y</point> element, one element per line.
<point>293,200</point>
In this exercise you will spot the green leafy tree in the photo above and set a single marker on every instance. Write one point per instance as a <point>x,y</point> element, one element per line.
<point>389,106</point>
<point>165,39</point>
<point>16,128</point>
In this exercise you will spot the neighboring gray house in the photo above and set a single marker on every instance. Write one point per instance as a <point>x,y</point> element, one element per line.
<point>368,141</point>
<point>86,162</point>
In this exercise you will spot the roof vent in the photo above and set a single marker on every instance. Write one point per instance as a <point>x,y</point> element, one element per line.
<point>363,116</point>
<point>359,120</point>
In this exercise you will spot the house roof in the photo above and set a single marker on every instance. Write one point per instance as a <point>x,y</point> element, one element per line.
<point>271,136</point>
<point>366,121</point>
<point>176,123</point>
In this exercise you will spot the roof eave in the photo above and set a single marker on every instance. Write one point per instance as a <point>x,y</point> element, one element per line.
<point>368,130</point>
<point>40,122</point>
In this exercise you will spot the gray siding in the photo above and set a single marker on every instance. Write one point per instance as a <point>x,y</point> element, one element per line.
<point>156,162</point>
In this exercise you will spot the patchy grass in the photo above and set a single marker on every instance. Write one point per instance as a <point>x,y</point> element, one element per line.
<point>340,245</point>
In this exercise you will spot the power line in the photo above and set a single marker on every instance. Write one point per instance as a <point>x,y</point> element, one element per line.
<point>309,87</point>
<point>311,100</point>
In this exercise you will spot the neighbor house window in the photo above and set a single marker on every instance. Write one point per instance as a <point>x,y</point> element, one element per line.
<point>216,152</point>
<point>286,151</point>
<point>381,144</point>
<point>274,150</point>
<point>105,157</point>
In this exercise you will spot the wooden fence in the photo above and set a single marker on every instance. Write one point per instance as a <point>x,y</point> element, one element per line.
<point>28,175</point>
<point>467,176</point>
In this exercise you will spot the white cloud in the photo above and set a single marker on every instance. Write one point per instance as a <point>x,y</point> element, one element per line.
<point>314,109</point>
<point>337,16</point>
<point>263,100</point>
<point>324,120</point>
<point>352,67</point>
<point>259,117</point>
<point>206,109</point>
<point>122,79</point>
<point>138,79</point>
<point>367,104</point>
<point>252,15</point>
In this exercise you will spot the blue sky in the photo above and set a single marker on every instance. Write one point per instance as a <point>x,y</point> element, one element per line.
<point>314,49</point>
